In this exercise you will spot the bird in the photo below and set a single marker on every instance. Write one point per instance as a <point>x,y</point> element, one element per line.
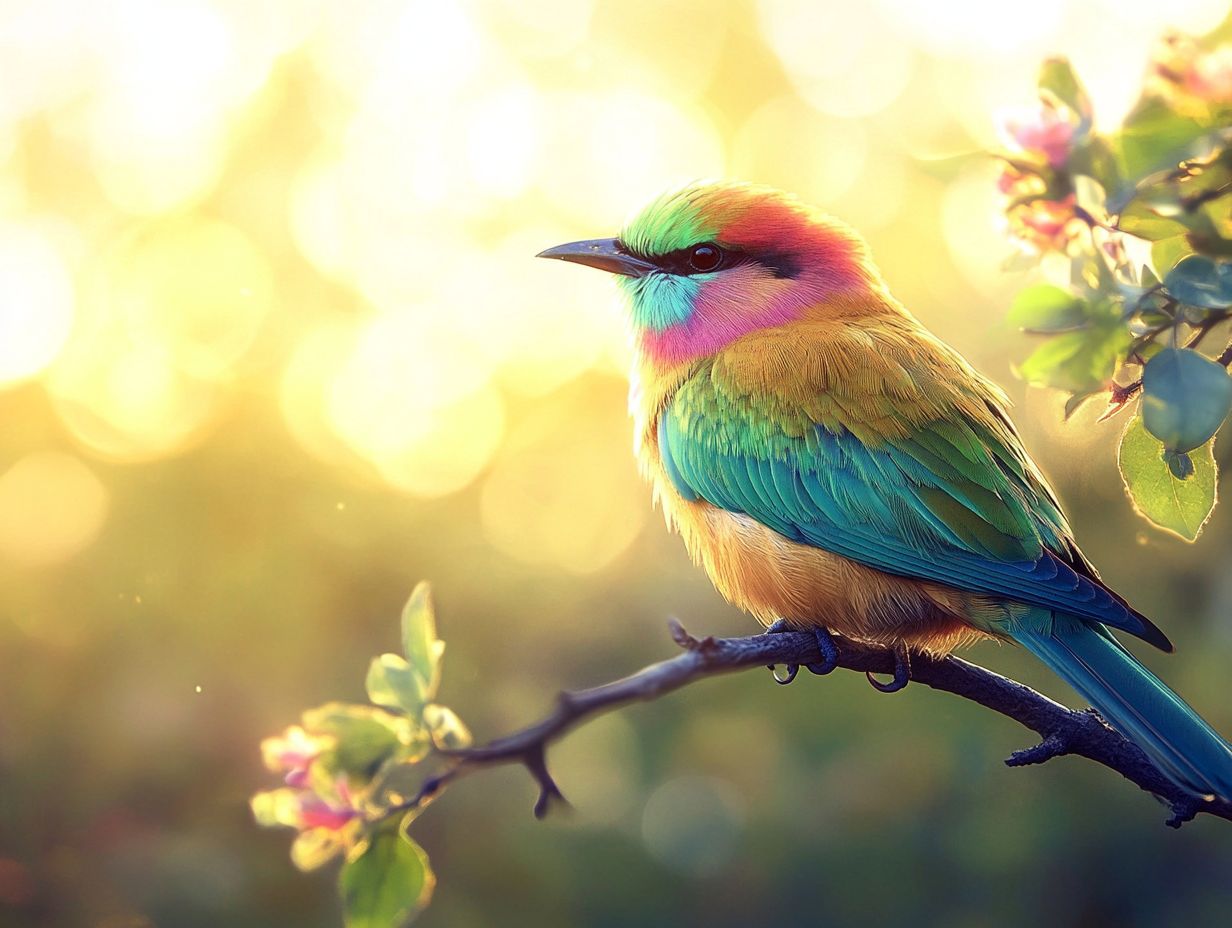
<point>833,466</point>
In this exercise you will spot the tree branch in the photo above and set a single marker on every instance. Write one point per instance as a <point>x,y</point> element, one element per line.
<point>1062,730</point>
<point>1119,395</point>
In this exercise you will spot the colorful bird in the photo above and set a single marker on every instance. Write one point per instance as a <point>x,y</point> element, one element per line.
<point>834,466</point>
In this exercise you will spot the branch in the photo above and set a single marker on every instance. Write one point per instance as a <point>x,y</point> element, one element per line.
<point>1062,730</point>
<point>1119,395</point>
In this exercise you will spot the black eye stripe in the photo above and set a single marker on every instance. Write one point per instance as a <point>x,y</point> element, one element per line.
<point>682,261</point>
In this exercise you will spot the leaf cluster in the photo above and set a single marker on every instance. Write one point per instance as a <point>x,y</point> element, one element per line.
<point>1132,233</point>
<point>349,769</point>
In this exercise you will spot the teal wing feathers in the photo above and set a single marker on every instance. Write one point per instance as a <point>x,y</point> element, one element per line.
<point>955,501</point>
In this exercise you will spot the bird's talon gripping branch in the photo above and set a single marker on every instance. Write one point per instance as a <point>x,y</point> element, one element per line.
<point>902,671</point>
<point>829,653</point>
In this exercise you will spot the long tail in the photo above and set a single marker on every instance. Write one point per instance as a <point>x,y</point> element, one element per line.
<point>1132,699</point>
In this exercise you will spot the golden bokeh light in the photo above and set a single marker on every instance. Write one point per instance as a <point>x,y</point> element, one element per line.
<point>166,315</point>
<point>622,148</point>
<point>539,503</point>
<point>52,506</point>
<point>197,288</point>
<point>842,58</point>
<point>162,98</point>
<point>545,29</point>
<point>127,401</point>
<point>974,229</point>
<point>413,401</point>
<point>339,208</point>
<point>36,303</point>
<point>824,162</point>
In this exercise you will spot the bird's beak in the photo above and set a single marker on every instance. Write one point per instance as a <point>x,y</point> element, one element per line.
<point>604,253</point>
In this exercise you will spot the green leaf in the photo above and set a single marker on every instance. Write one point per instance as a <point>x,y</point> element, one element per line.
<point>448,731</point>
<point>392,682</point>
<point>1155,136</point>
<point>1082,360</point>
<point>1178,506</point>
<point>1201,281</point>
<point>1142,221</point>
<point>1167,253</point>
<point>1185,398</point>
<point>386,885</point>
<point>1205,179</point>
<point>1046,308</point>
<point>364,737</point>
<point>1094,158</point>
<point>1058,79</point>
<point>422,648</point>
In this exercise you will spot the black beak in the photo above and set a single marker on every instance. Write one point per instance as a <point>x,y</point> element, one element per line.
<point>604,253</point>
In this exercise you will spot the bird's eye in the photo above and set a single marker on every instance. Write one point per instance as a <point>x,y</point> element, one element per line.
<point>705,257</point>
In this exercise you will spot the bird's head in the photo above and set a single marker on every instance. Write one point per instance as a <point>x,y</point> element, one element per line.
<point>708,264</point>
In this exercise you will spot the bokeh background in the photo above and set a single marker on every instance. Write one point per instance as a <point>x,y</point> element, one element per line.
<point>273,347</point>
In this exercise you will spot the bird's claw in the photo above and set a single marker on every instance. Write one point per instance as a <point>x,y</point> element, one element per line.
<point>776,628</point>
<point>902,671</point>
<point>829,653</point>
<point>825,644</point>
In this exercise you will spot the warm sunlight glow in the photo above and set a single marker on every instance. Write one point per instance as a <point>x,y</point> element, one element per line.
<point>36,303</point>
<point>201,202</point>
<point>51,507</point>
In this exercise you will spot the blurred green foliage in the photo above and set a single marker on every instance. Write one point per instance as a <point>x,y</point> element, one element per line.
<point>1136,227</point>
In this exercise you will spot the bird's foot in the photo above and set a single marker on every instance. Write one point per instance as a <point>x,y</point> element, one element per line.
<point>829,652</point>
<point>778,627</point>
<point>902,671</point>
<point>825,644</point>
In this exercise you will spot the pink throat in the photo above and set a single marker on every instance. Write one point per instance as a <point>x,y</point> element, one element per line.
<point>740,303</point>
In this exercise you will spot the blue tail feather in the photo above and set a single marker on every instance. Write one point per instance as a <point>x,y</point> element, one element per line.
<point>1132,699</point>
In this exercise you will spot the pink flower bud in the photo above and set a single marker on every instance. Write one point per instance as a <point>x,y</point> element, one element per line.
<point>1044,225</point>
<point>1209,76</point>
<point>292,753</point>
<point>1015,183</point>
<point>1047,130</point>
<point>315,812</point>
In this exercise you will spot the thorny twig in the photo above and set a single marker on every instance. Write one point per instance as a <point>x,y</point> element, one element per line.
<point>1062,730</point>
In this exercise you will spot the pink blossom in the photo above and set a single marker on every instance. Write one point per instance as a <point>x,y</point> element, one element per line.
<point>1015,183</point>
<point>1044,225</point>
<point>315,812</point>
<point>292,753</point>
<point>1046,130</point>
<point>1209,75</point>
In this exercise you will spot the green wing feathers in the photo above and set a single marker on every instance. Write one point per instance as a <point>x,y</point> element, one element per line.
<point>921,479</point>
